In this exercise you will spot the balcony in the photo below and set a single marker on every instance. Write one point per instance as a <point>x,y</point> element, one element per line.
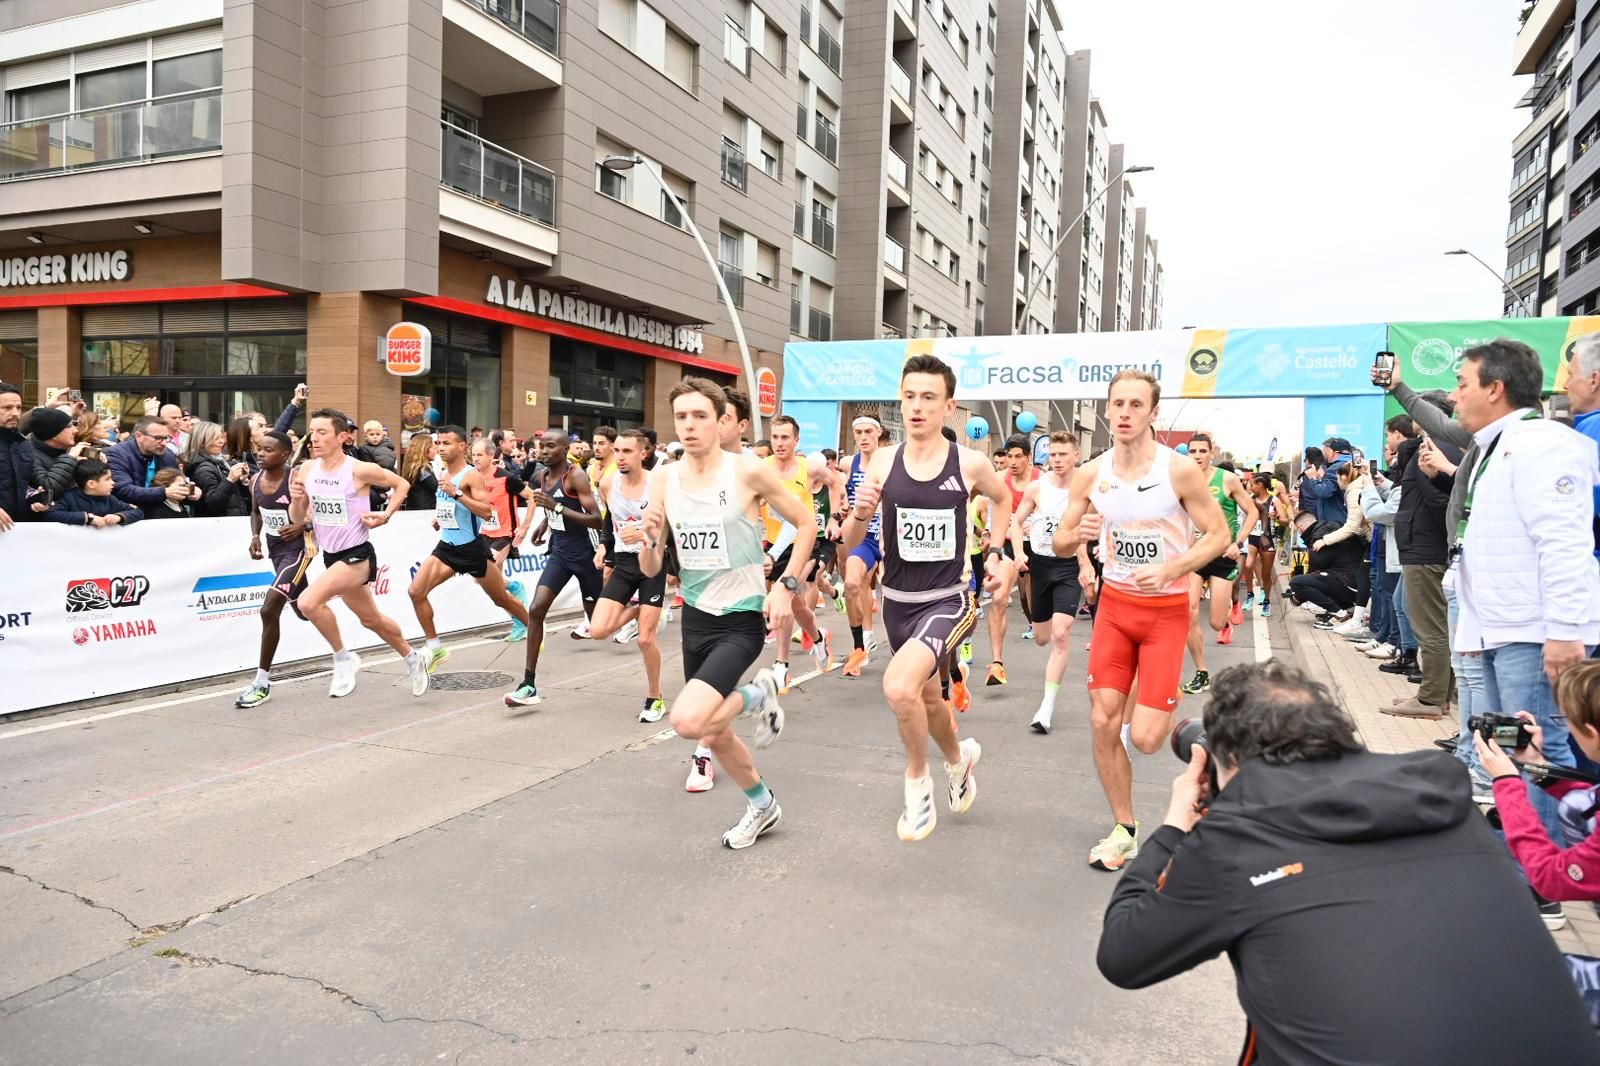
<point>144,132</point>
<point>1537,165</point>
<point>889,332</point>
<point>821,325</point>
<point>828,49</point>
<point>901,95</point>
<point>733,278</point>
<point>494,198</point>
<point>502,46</point>
<point>822,231</point>
<point>894,255</point>
<point>734,170</point>
<point>1529,217</point>
<point>899,175</point>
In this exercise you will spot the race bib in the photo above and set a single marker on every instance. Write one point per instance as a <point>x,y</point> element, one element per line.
<point>558,521</point>
<point>702,544</point>
<point>622,545</point>
<point>1044,530</point>
<point>925,534</point>
<point>490,524</point>
<point>444,513</point>
<point>1133,548</point>
<point>330,511</point>
<point>274,520</point>
<point>821,519</point>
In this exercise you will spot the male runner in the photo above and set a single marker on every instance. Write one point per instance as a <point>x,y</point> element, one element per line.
<point>502,489</point>
<point>333,491</point>
<point>864,554</point>
<point>626,492</point>
<point>830,503</point>
<point>604,463</point>
<point>1239,508</point>
<point>710,502</point>
<point>287,547</point>
<point>1020,473</point>
<point>1015,467</point>
<point>798,476</point>
<point>571,518</point>
<point>928,607</point>
<point>1057,581</point>
<point>1146,502</point>
<point>461,512</point>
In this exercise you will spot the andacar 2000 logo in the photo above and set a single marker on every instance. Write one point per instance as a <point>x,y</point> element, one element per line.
<point>103,593</point>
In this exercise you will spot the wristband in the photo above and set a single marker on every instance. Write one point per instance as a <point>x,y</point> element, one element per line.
<point>994,551</point>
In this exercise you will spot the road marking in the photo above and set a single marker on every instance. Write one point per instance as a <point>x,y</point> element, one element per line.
<point>1263,641</point>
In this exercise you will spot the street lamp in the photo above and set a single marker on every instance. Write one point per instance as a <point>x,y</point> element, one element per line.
<point>1066,231</point>
<point>1501,279</point>
<point>620,163</point>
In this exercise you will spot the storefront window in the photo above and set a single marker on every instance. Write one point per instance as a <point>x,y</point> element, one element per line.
<point>464,383</point>
<point>19,366</point>
<point>592,386</point>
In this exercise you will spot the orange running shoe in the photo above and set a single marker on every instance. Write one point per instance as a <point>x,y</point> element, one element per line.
<point>960,694</point>
<point>997,674</point>
<point>1236,616</point>
<point>1226,636</point>
<point>852,665</point>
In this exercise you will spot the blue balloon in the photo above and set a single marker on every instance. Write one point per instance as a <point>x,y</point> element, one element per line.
<point>433,416</point>
<point>1182,449</point>
<point>1026,421</point>
<point>977,428</point>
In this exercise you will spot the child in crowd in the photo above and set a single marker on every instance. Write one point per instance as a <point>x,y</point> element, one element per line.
<point>91,502</point>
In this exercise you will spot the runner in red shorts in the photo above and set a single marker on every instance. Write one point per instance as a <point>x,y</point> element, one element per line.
<point>1147,510</point>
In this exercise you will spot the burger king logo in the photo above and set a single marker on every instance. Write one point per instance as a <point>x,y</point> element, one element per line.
<point>407,349</point>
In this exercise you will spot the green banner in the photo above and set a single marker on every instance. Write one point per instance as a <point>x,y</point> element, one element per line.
<point>1430,352</point>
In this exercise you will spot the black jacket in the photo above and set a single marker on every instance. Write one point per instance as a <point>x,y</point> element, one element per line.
<point>424,494</point>
<point>76,506</point>
<point>53,468</point>
<point>219,497</point>
<point>19,480</point>
<point>1346,558</point>
<point>1419,525</point>
<point>1365,906</point>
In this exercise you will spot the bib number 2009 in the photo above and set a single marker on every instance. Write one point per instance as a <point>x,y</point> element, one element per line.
<point>1133,550</point>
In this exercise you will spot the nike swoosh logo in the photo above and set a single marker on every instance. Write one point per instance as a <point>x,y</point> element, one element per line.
<point>1143,488</point>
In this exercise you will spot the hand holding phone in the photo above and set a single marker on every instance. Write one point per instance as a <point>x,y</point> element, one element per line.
<point>1383,370</point>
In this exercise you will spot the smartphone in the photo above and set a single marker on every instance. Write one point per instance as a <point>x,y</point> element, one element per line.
<point>1383,368</point>
<point>75,395</point>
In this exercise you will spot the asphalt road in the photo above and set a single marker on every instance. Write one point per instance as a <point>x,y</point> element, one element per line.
<point>384,879</point>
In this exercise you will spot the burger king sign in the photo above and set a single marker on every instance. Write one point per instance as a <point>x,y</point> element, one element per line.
<point>407,349</point>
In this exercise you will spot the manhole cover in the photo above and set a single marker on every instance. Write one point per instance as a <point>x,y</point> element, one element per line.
<point>471,680</point>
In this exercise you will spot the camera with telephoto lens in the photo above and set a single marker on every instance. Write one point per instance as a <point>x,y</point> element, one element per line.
<point>1185,735</point>
<point>1506,730</point>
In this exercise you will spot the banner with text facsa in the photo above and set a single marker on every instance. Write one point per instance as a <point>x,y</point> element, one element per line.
<point>1429,353</point>
<point>96,612</point>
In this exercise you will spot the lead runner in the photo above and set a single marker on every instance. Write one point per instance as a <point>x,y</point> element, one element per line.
<point>928,606</point>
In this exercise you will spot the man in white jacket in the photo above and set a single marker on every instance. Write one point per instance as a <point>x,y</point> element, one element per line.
<point>1527,579</point>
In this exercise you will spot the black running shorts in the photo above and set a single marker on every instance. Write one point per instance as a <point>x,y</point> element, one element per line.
<point>471,558</point>
<point>289,566</point>
<point>627,580</point>
<point>939,624</point>
<point>718,649</point>
<point>1055,587</point>
<point>355,556</point>
<point>1221,567</point>
<point>558,570</point>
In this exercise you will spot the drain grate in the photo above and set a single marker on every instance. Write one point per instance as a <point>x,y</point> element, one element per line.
<point>471,680</point>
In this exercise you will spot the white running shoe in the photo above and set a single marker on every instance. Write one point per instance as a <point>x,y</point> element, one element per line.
<point>627,632</point>
<point>1041,720</point>
<point>871,641</point>
<point>780,677</point>
<point>1368,645</point>
<point>580,631</point>
<point>666,620</point>
<point>1383,651</point>
<point>417,667</point>
<point>1127,741</point>
<point>769,715</point>
<point>756,821</point>
<point>344,674</point>
<point>963,783</point>
<point>702,775</point>
<point>920,815</point>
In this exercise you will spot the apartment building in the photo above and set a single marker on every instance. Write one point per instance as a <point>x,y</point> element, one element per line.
<point>1087,155</point>
<point>1541,153</point>
<point>1116,297</point>
<point>1146,308</point>
<point>208,203</point>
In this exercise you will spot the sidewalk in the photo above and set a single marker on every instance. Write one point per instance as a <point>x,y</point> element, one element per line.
<point>1362,688</point>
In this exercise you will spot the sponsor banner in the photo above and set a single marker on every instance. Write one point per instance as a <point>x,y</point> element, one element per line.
<point>1430,352</point>
<point>1358,419</point>
<point>95,612</point>
<point>1302,361</point>
<point>819,423</point>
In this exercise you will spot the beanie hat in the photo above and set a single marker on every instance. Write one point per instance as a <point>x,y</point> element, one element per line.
<point>45,422</point>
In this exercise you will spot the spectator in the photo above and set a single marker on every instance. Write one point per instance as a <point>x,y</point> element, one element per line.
<point>172,416</point>
<point>1392,638</point>
<point>97,433</point>
<point>376,447</point>
<point>762,448</point>
<point>177,494</point>
<point>91,503</point>
<point>19,483</point>
<point>223,481</point>
<point>1583,400</point>
<point>135,462</point>
<point>1528,583</point>
<point>1336,578</point>
<point>1366,907</point>
<point>55,450</point>
<point>417,468</point>
<point>1331,505</point>
<point>239,441</point>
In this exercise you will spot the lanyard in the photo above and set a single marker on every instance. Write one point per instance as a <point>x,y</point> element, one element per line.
<point>1477,477</point>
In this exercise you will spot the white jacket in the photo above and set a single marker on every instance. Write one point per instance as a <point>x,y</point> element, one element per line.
<point>1380,505</point>
<point>1528,572</point>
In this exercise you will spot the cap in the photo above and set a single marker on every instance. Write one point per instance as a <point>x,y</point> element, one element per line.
<point>1339,445</point>
<point>46,422</point>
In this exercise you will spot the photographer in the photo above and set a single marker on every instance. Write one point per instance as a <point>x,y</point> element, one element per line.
<point>1368,911</point>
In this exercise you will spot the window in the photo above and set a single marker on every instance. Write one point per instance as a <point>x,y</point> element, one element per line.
<point>767,264</point>
<point>612,183</point>
<point>105,88</point>
<point>994,25</point>
<point>730,257</point>
<point>802,110</point>
<point>827,136</point>
<point>1587,82</point>
<point>642,30</point>
<point>186,74</point>
<point>830,31</point>
<point>735,47</point>
<point>988,140</point>
<point>822,225</point>
<point>953,266</point>
<point>983,204</point>
<point>983,253</point>
<point>774,45</point>
<point>644,194</point>
<point>794,302</point>
<point>799,219</point>
<point>805,24</point>
<point>733,165</point>
<point>1590,22</point>
<point>38,101</point>
<point>821,317</point>
<point>771,156</point>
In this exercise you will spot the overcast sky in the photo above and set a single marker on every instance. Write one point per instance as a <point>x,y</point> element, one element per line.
<point>1314,160</point>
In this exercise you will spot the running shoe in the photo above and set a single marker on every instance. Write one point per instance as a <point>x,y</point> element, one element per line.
<point>769,714</point>
<point>997,674</point>
<point>966,651</point>
<point>1027,634</point>
<point>963,783</point>
<point>1196,684</point>
<point>436,657</point>
<point>417,666</point>
<point>516,589</point>
<point>344,674</point>
<point>524,695</point>
<point>871,640</point>
<point>1383,651</point>
<point>677,600</point>
<point>254,696</point>
<point>1226,636</point>
<point>780,677</point>
<point>756,821</point>
<point>702,775</point>
<point>1261,599</point>
<point>1041,721</point>
<point>838,603</point>
<point>655,709</point>
<point>1115,850</point>
<point>581,630</point>
<point>1236,616</point>
<point>920,815</point>
<point>822,651</point>
<point>852,666</point>
<point>960,694</point>
<point>666,620</point>
<point>517,634</point>
<point>769,639</point>
<point>1266,610</point>
<point>1551,913</point>
<point>627,632</point>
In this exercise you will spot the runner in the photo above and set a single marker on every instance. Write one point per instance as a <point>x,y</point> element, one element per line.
<point>709,501</point>
<point>1020,473</point>
<point>1263,546</point>
<point>1058,583</point>
<point>1145,504</point>
<point>828,504</point>
<point>626,492</point>
<point>287,546</point>
<point>499,527</point>
<point>865,554</point>
<point>463,510</point>
<point>334,491</point>
<point>928,606</point>
<point>1239,508</point>
<point>604,463</point>
<point>571,519</point>
<point>803,480</point>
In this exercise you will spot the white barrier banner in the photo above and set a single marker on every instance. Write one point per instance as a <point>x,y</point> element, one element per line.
<point>94,612</point>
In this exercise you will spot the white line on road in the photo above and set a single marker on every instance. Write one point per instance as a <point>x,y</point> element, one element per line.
<point>1258,625</point>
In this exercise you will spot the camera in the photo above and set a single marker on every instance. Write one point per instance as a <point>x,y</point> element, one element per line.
<point>1185,735</point>
<point>1506,730</point>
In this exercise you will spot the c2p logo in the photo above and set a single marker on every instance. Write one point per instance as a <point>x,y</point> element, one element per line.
<point>103,593</point>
